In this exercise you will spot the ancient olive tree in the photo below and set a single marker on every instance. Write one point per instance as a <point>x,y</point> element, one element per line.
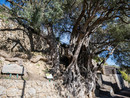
<point>87,23</point>
<point>88,19</point>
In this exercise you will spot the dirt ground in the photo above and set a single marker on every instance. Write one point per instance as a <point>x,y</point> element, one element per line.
<point>34,71</point>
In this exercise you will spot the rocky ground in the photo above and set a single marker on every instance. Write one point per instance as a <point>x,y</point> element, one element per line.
<point>34,71</point>
<point>33,84</point>
<point>28,89</point>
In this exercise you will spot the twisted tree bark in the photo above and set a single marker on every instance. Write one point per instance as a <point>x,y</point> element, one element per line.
<point>54,47</point>
<point>79,77</point>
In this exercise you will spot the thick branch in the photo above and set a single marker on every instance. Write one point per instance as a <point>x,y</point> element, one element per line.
<point>8,29</point>
<point>121,19</point>
<point>79,18</point>
<point>108,55</point>
<point>13,3</point>
<point>18,42</point>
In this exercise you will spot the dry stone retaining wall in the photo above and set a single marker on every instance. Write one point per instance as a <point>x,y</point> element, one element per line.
<point>112,83</point>
<point>27,89</point>
<point>16,33</point>
<point>5,44</point>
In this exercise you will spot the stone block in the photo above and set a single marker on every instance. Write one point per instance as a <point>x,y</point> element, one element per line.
<point>32,91</point>
<point>33,84</point>
<point>126,84</point>
<point>13,69</point>
<point>2,90</point>
<point>20,86</point>
<point>19,93</point>
<point>39,89</point>
<point>27,96</point>
<point>11,92</point>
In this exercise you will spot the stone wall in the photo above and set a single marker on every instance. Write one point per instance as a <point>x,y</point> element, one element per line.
<point>111,83</point>
<point>110,72</point>
<point>19,37</point>
<point>28,89</point>
<point>126,84</point>
<point>9,33</point>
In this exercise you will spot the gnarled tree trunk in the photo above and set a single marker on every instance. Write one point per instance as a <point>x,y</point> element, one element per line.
<point>79,77</point>
<point>54,49</point>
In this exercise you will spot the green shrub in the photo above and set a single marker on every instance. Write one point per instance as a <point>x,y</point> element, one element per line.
<point>125,76</point>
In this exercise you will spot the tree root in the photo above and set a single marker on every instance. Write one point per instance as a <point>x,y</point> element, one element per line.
<point>15,59</point>
<point>38,58</point>
<point>78,85</point>
<point>9,58</point>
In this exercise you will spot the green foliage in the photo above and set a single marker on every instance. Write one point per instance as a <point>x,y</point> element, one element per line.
<point>1,9</point>
<point>0,62</point>
<point>54,11</point>
<point>98,59</point>
<point>38,64</point>
<point>125,76</point>
<point>116,35</point>
<point>46,70</point>
<point>120,33</point>
<point>40,12</point>
<point>125,68</point>
<point>4,17</point>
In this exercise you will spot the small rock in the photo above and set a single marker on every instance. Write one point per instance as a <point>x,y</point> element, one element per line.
<point>32,91</point>
<point>42,95</point>
<point>0,82</point>
<point>3,96</point>
<point>33,84</point>
<point>39,89</point>
<point>37,67</point>
<point>11,92</point>
<point>2,90</point>
<point>27,96</point>
<point>38,83</point>
<point>20,86</point>
<point>19,93</point>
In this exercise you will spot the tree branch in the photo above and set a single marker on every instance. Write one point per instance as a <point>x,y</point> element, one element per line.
<point>108,55</point>
<point>79,18</point>
<point>121,19</point>
<point>13,3</point>
<point>8,29</point>
<point>17,42</point>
